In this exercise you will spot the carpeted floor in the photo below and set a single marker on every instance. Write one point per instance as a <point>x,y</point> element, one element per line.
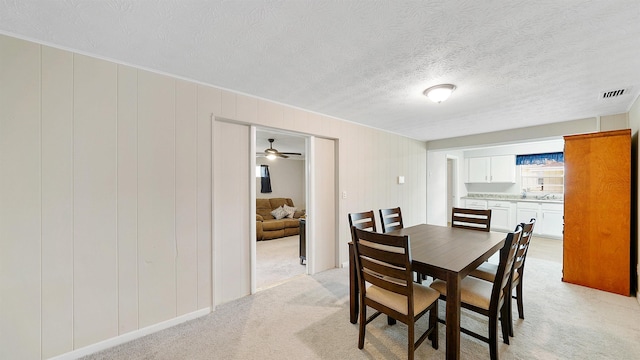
<point>278,260</point>
<point>308,318</point>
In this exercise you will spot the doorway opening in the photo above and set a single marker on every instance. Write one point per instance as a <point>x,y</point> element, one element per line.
<point>281,184</point>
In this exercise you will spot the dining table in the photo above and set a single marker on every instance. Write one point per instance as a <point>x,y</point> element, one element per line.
<point>443,252</point>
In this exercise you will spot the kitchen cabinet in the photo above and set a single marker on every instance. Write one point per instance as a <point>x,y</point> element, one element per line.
<point>527,211</point>
<point>552,220</point>
<point>597,217</point>
<point>478,170</point>
<point>475,204</point>
<point>494,169</point>
<point>549,217</point>
<point>502,215</point>
<point>503,169</point>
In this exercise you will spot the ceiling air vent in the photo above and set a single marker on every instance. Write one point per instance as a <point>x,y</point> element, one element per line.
<point>613,93</point>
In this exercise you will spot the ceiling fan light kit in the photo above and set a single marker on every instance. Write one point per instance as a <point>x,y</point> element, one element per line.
<point>272,153</point>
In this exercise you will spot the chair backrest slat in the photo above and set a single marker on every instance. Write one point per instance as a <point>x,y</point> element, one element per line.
<point>363,220</point>
<point>383,260</point>
<point>472,219</point>
<point>391,219</point>
<point>502,285</point>
<point>523,247</point>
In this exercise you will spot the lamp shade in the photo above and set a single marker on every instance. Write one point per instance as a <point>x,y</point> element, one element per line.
<point>439,93</point>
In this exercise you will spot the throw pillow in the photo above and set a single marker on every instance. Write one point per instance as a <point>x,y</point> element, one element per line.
<point>279,213</point>
<point>290,210</point>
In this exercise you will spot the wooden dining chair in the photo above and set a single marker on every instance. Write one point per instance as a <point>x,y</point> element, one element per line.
<point>487,271</point>
<point>363,220</point>
<point>391,219</point>
<point>488,298</point>
<point>384,262</point>
<point>472,219</point>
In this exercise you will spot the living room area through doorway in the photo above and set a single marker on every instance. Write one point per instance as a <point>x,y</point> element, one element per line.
<point>280,205</point>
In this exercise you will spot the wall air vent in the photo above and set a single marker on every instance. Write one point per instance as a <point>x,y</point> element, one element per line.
<point>613,93</point>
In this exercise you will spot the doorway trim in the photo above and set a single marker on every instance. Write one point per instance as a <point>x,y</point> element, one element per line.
<point>252,188</point>
<point>452,184</point>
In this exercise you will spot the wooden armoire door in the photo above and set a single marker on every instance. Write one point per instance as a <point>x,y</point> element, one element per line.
<point>597,207</point>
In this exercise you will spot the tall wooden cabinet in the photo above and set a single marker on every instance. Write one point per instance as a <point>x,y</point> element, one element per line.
<point>597,208</point>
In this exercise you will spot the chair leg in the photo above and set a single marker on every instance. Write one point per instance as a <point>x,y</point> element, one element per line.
<point>510,316</point>
<point>433,324</point>
<point>505,321</point>
<point>493,337</point>
<point>519,299</point>
<point>363,324</point>
<point>411,339</point>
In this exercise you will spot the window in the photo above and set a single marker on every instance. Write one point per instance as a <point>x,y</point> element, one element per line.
<point>547,178</point>
<point>542,173</point>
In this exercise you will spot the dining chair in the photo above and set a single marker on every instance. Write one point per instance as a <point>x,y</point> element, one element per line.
<point>472,219</point>
<point>391,219</point>
<point>487,271</point>
<point>384,262</point>
<point>488,298</point>
<point>363,220</point>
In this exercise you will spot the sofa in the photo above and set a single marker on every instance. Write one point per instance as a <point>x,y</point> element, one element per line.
<point>268,227</point>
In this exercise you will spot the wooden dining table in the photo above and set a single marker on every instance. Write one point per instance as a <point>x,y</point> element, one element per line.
<point>443,252</point>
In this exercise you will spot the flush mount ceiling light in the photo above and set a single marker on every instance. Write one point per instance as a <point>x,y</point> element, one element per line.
<point>439,93</point>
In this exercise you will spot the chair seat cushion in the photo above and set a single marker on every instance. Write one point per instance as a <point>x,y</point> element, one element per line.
<point>422,295</point>
<point>473,291</point>
<point>487,271</point>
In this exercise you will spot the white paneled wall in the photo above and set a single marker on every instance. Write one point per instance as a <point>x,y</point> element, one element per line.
<point>105,200</point>
<point>107,175</point>
<point>20,201</point>
<point>57,200</point>
<point>95,193</point>
<point>369,166</point>
<point>127,199</point>
<point>186,198</point>
<point>157,198</point>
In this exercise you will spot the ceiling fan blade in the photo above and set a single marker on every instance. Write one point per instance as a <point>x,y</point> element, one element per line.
<point>282,155</point>
<point>290,153</point>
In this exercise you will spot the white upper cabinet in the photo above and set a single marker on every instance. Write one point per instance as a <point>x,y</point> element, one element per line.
<point>479,169</point>
<point>494,169</point>
<point>503,169</point>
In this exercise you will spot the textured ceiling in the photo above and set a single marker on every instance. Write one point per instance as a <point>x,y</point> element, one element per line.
<point>515,63</point>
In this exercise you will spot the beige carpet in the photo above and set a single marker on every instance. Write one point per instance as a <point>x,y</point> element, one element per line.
<point>278,260</point>
<point>308,318</point>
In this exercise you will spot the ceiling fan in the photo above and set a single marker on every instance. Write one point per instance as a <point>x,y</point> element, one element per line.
<point>272,153</point>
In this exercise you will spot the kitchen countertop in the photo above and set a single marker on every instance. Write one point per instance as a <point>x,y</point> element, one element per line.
<point>513,198</point>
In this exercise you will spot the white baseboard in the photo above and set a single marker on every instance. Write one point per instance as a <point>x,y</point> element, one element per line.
<point>121,339</point>
<point>345,264</point>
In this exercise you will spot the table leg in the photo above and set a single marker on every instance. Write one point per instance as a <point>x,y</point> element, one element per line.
<point>453,316</point>
<point>353,287</point>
